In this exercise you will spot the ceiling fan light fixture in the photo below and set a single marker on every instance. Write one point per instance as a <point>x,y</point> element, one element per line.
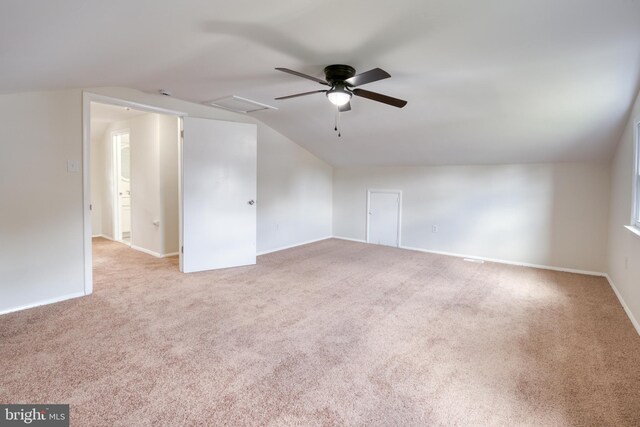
<point>339,96</point>
<point>343,83</point>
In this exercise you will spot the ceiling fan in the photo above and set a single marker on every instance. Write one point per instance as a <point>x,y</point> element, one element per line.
<point>343,81</point>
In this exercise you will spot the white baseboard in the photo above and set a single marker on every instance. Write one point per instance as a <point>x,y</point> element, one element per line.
<point>139,249</point>
<point>630,315</point>
<point>501,261</point>
<point>44,302</point>
<point>152,253</point>
<point>292,246</point>
<point>349,239</point>
<point>105,237</point>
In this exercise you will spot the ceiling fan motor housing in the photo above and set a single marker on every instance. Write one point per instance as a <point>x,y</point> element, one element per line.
<point>338,73</point>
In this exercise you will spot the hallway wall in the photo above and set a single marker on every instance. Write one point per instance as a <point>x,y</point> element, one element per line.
<point>154,182</point>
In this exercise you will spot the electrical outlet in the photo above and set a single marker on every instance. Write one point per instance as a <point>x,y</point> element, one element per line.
<point>73,166</point>
<point>434,228</point>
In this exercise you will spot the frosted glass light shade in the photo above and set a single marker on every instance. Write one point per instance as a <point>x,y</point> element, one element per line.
<point>339,98</point>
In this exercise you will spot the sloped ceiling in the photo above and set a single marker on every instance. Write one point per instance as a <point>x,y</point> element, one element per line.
<point>490,81</point>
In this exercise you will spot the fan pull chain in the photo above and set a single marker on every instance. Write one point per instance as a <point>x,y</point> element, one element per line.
<point>337,127</point>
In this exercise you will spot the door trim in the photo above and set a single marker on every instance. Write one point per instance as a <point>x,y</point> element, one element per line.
<point>399,193</point>
<point>87,99</point>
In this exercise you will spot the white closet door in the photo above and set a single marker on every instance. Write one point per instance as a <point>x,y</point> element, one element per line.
<point>218,194</point>
<point>384,217</point>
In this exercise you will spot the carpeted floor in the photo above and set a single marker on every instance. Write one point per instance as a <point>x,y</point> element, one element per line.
<point>332,333</point>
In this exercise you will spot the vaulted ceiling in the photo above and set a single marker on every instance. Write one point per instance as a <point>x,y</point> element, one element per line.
<point>490,81</point>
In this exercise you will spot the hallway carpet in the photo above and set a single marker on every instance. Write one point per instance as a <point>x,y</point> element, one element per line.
<point>328,334</point>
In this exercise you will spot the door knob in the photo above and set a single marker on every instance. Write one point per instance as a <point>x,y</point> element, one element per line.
<point>251,202</point>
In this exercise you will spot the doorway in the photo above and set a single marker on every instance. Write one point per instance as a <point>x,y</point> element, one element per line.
<point>383,217</point>
<point>135,178</point>
<point>122,184</point>
<point>216,173</point>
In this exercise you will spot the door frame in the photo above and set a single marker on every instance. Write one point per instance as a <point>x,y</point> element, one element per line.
<point>87,99</point>
<point>399,193</point>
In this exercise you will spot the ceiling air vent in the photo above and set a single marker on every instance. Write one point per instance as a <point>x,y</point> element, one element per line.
<point>239,104</point>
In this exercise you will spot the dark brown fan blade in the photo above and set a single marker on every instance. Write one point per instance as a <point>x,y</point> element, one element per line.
<point>368,77</point>
<point>345,107</point>
<point>380,98</point>
<point>304,76</point>
<point>301,94</point>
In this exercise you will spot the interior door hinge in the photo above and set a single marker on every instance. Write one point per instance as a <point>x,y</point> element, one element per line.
<point>90,207</point>
<point>182,249</point>
<point>182,134</point>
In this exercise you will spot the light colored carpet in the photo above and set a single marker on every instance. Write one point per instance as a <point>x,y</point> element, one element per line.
<point>332,333</point>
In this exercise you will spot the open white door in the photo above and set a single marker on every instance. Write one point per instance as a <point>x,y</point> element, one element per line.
<point>218,194</point>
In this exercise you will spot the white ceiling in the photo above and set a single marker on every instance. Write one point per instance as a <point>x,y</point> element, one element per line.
<point>489,81</point>
<point>102,115</point>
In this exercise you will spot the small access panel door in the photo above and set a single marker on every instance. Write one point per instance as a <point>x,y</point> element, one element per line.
<point>383,223</point>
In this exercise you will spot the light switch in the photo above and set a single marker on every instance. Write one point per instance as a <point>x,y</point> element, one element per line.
<point>73,166</point>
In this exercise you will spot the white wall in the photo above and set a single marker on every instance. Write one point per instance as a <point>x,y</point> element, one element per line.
<point>294,193</point>
<point>624,247</point>
<point>97,176</point>
<point>102,154</point>
<point>145,182</point>
<point>41,234</point>
<point>168,145</point>
<point>544,214</point>
<point>154,181</point>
